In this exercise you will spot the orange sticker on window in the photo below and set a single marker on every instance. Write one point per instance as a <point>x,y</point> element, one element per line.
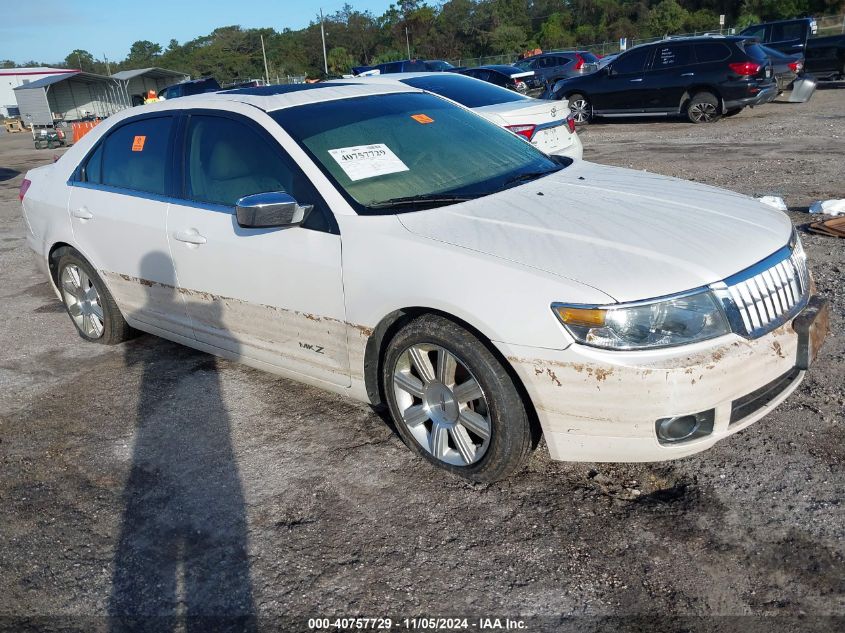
<point>422,118</point>
<point>138,143</point>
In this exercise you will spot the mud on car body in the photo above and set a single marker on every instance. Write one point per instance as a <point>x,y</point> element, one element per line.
<point>469,296</point>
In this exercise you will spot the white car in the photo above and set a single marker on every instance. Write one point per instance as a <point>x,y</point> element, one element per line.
<point>548,125</point>
<point>381,242</point>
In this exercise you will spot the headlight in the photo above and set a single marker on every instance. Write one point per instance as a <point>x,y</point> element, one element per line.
<point>664,322</point>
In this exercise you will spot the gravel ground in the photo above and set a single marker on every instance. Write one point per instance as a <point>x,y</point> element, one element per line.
<point>151,480</point>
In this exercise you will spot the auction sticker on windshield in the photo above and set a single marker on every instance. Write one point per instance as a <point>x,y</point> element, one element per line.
<point>367,161</point>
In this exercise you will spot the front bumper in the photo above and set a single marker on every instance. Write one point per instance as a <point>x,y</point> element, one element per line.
<point>599,405</point>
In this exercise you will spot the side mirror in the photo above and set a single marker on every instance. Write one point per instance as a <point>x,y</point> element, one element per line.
<point>270,210</point>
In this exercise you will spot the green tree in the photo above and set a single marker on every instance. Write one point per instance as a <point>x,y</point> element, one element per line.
<point>667,17</point>
<point>143,52</point>
<point>80,59</point>
<point>508,39</point>
<point>339,60</point>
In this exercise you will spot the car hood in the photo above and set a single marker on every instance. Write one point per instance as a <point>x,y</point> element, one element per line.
<point>633,235</point>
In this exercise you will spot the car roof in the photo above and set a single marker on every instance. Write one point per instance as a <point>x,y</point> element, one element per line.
<point>270,98</point>
<point>400,76</point>
<point>502,68</point>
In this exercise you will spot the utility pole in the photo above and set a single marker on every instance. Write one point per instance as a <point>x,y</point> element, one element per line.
<point>264,55</point>
<point>79,61</point>
<point>108,68</point>
<point>323,33</point>
<point>407,42</point>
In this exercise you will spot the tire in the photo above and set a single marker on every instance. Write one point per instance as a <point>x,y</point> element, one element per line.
<point>464,415</point>
<point>703,108</point>
<point>581,108</point>
<point>88,302</point>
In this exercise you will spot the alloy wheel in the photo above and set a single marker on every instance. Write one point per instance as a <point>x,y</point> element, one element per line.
<point>702,112</point>
<point>82,301</point>
<point>442,404</point>
<point>580,110</point>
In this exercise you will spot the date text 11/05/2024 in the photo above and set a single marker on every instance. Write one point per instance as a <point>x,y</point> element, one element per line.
<point>417,624</point>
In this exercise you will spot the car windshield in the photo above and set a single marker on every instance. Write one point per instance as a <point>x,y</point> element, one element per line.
<point>409,151</point>
<point>467,91</point>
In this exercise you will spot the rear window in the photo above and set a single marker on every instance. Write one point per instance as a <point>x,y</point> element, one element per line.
<point>755,52</point>
<point>468,92</point>
<point>136,155</point>
<point>712,52</point>
<point>588,57</point>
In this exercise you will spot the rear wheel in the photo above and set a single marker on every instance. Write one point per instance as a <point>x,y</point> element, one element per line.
<point>89,303</point>
<point>453,402</point>
<point>582,110</point>
<point>703,108</point>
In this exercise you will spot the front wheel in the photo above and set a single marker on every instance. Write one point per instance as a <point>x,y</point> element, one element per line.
<point>582,110</point>
<point>89,303</point>
<point>703,108</point>
<point>453,402</point>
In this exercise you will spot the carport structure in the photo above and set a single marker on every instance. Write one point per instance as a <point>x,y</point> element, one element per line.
<point>137,83</point>
<point>69,97</point>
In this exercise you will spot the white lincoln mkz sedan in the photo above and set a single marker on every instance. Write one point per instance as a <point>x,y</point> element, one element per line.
<point>384,243</point>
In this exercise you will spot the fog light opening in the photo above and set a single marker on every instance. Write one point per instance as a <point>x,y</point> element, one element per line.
<point>683,428</point>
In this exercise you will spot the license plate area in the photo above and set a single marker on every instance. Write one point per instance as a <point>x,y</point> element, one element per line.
<point>812,325</point>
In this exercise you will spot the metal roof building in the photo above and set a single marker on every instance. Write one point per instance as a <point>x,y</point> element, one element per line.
<point>69,97</point>
<point>11,78</point>
<point>137,83</point>
<point>76,95</point>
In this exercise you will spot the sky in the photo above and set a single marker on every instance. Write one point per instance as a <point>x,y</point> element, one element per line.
<point>47,30</point>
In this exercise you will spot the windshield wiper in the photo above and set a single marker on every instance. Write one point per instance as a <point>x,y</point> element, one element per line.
<point>530,175</point>
<point>422,199</point>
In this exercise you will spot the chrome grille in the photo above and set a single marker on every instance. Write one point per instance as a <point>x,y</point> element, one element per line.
<point>769,293</point>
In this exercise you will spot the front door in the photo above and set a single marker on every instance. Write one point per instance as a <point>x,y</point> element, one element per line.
<point>623,90</point>
<point>272,295</point>
<point>118,211</point>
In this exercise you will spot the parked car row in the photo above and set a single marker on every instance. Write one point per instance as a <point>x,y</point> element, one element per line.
<point>702,78</point>
<point>381,241</point>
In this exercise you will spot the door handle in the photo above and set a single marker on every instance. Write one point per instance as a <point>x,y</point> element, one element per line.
<point>687,74</point>
<point>190,237</point>
<point>640,79</point>
<point>82,214</point>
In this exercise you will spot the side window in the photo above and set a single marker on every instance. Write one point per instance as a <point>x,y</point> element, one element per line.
<point>561,61</point>
<point>92,171</point>
<point>788,32</point>
<point>136,155</point>
<point>711,52</point>
<point>228,159</point>
<point>672,56</point>
<point>756,31</point>
<point>631,62</point>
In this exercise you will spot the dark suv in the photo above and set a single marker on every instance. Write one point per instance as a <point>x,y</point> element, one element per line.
<point>549,67</point>
<point>701,77</point>
<point>186,88</point>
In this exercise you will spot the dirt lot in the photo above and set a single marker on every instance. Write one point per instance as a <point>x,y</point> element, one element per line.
<point>151,480</point>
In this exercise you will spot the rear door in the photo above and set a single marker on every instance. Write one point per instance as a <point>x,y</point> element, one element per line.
<point>272,295</point>
<point>669,77</point>
<point>118,206</point>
